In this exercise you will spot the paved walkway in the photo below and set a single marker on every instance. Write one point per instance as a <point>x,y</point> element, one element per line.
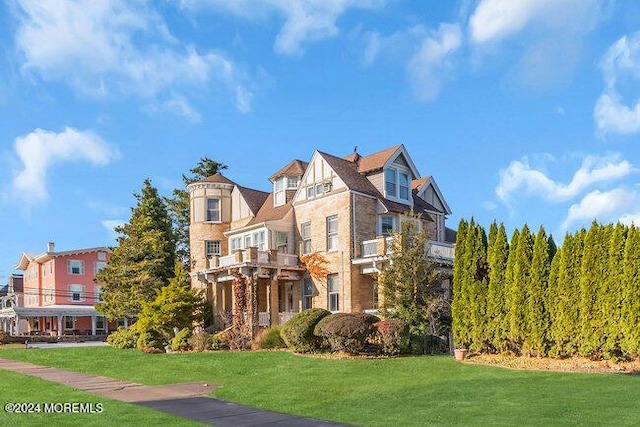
<point>186,400</point>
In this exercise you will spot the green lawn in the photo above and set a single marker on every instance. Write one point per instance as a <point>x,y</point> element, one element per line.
<point>402,391</point>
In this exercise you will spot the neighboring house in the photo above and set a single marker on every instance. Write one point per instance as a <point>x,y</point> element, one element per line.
<point>56,294</point>
<point>343,208</point>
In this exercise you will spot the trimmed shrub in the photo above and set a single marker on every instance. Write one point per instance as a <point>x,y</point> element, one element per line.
<point>272,339</point>
<point>297,333</point>
<point>181,341</point>
<point>124,337</point>
<point>150,340</point>
<point>216,343</point>
<point>392,335</point>
<point>4,337</point>
<point>346,332</point>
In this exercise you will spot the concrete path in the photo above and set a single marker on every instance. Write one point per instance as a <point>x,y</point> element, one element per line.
<point>186,400</point>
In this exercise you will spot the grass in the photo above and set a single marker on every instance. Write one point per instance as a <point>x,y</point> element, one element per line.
<point>402,391</point>
<point>17,388</point>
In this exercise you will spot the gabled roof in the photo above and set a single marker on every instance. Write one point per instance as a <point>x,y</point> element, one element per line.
<point>420,184</point>
<point>377,160</point>
<point>417,184</point>
<point>254,198</point>
<point>218,178</point>
<point>26,258</point>
<point>294,168</point>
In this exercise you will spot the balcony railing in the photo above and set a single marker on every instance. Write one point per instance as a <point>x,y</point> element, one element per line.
<point>383,246</point>
<point>253,255</point>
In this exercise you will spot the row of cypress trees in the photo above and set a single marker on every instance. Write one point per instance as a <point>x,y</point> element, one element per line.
<point>526,296</point>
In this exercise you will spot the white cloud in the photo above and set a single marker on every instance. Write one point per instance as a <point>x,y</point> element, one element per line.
<point>178,105</point>
<point>620,65</point>
<point>496,20</point>
<point>305,21</point>
<point>520,178</point>
<point>431,64</point>
<point>600,205</point>
<point>40,150</point>
<point>107,47</point>
<point>631,219</point>
<point>110,225</point>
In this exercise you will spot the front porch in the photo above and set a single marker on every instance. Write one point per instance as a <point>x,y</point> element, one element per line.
<point>53,321</point>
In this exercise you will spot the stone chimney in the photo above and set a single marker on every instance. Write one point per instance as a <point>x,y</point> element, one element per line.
<point>51,247</point>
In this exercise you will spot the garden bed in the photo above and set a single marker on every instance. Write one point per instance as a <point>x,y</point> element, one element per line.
<point>574,364</point>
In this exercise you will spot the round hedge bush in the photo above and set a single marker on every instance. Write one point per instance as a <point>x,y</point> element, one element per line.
<point>272,339</point>
<point>297,333</point>
<point>346,332</point>
<point>124,337</point>
<point>393,336</point>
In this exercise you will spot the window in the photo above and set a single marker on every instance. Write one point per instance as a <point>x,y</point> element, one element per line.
<point>282,239</point>
<point>76,293</point>
<point>390,182</point>
<point>102,256</point>
<point>387,225</point>
<point>319,189</point>
<point>211,248</point>
<point>247,241</point>
<point>99,265</point>
<point>333,288</point>
<point>68,322</point>
<point>98,294</point>
<point>213,210</point>
<point>293,182</point>
<point>404,186</point>
<point>311,192</point>
<point>332,233</point>
<point>236,243</point>
<point>305,232</point>
<point>75,267</point>
<point>259,240</point>
<point>100,322</point>
<point>279,196</point>
<point>307,293</point>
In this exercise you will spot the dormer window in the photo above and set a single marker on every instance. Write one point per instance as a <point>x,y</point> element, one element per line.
<point>293,182</point>
<point>279,195</point>
<point>396,184</point>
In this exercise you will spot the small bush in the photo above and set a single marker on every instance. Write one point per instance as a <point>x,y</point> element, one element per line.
<point>297,333</point>
<point>4,337</point>
<point>272,339</point>
<point>124,337</point>
<point>150,340</point>
<point>198,340</point>
<point>181,341</point>
<point>346,332</point>
<point>392,335</point>
<point>216,343</point>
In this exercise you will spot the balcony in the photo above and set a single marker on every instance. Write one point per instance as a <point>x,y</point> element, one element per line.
<point>252,257</point>
<point>373,252</point>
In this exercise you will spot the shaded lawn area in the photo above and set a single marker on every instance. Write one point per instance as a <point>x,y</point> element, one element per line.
<point>17,388</point>
<point>401,391</point>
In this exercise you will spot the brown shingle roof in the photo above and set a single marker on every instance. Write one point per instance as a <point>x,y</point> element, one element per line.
<point>294,168</point>
<point>377,160</point>
<point>219,178</point>
<point>417,184</point>
<point>254,198</point>
<point>270,213</point>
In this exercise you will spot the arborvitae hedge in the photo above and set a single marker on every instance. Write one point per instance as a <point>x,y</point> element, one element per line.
<point>534,298</point>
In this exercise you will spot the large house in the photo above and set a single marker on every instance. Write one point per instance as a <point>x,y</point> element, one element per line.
<point>343,208</point>
<point>56,293</point>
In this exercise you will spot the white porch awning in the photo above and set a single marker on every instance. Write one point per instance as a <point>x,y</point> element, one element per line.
<point>50,310</point>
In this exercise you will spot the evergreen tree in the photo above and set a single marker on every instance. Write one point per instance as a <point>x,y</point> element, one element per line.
<point>179,206</point>
<point>143,261</point>
<point>553,293</point>
<point>459,305</point>
<point>176,306</point>
<point>412,284</point>
<point>477,296</point>
<point>516,298</point>
<point>509,284</point>
<point>612,293</point>
<point>630,322</point>
<point>498,255</point>
<point>537,316</point>
<point>592,275</point>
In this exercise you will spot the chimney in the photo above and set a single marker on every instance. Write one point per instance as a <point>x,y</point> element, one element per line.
<point>51,247</point>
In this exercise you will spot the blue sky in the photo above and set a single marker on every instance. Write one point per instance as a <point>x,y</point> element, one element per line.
<point>523,110</point>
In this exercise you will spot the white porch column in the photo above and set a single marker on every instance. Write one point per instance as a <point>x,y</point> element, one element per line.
<point>106,326</point>
<point>59,325</point>
<point>93,325</point>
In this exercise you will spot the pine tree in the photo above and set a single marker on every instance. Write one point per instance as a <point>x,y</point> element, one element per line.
<point>612,293</point>
<point>498,255</point>
<point>537,315</point>
<point>178,206</point>
<point>630,322</point>
<point>592,275</point>
<point>509,284</point>
<point>143,262</point>
<point>459,305</point>
<point>516,298</point>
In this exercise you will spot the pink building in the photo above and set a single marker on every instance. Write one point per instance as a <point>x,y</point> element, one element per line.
<point>58,294</point>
